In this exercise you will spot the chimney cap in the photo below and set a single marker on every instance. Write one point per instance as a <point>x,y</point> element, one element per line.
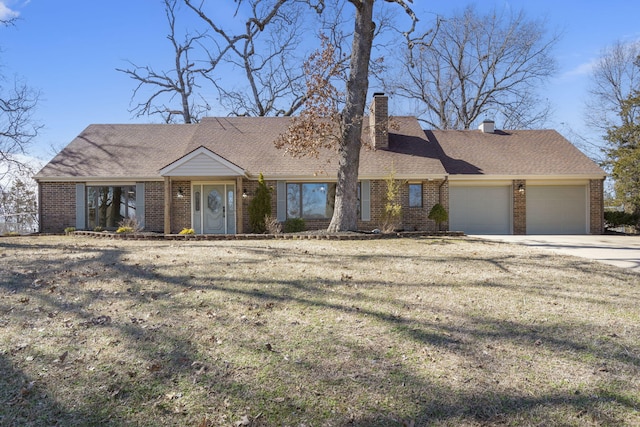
<point>378,94</point>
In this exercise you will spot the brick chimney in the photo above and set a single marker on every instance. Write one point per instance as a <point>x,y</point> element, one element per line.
<point>379,121</point>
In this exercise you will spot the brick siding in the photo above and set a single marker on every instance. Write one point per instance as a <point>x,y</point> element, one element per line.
<point>413,219</point>
<point>180,207</point>
<point>154,206</point>
<point>519,207</point>
<point>596,203</point>
<point>57,206</point>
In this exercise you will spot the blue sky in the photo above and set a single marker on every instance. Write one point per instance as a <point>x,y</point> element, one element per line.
<point>69,50</point>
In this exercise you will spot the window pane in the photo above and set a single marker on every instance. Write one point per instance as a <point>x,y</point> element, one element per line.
<point>415,195</point>
<point>331,200</point>
<point>113,209</point>
<point>91,208</point>
<point>359,207</point>
<point>314,201</point>
<point>293,201</point>
<point>310,200</point>
<point>107,206</point>
<point>128,208</point>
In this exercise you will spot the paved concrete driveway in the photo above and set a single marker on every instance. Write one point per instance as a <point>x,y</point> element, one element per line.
<point>621,251</point>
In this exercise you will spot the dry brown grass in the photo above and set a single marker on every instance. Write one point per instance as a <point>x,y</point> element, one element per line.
<point>429,331</point>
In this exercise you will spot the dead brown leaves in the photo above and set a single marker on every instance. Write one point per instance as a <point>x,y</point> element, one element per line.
<point>315,333</point>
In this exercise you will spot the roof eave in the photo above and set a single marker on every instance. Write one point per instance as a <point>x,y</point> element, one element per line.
<point>111,179</point>
<point>550,177</point>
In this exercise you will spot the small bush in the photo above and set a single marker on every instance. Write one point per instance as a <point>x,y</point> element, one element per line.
<point>438,214</point>
<point>392,215</point>
<point>260,207</point>
<point>272,224</point>
<point>294,225</point>
<point>69,230</point>
<point>186,231</point>
<point>616,219</point>
<point>98,229</point>
<point>11,234</point>
<point>128,225</point>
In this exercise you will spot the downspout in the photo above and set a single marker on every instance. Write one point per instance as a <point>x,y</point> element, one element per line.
<point>446,179</point>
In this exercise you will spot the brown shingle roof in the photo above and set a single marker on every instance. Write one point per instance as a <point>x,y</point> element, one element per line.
<point>119,151</point>
<point>140,151</point>
<point>517,153</point>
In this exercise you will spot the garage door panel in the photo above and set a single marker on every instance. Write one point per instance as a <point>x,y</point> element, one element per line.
<point>480,210</point>
<point>557,209</point>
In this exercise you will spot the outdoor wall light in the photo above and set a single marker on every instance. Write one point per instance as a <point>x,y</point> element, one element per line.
<point>244,193</point>
<point>180,193</point>
<point>521,189</point>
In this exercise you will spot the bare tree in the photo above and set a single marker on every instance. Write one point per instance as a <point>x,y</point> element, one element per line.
<point>266,69</point>
<point>613,109</point>
<point>349,120</point>
<point>613,79</point>
<point>19,203</point>
<point>265,53</point>
<point>478,66</point>
<point>17,125</point>
<point>178,83</point>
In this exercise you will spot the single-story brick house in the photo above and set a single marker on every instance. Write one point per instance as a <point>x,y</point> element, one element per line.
<point>202,176</point>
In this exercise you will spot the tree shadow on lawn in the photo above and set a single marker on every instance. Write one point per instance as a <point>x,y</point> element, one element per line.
<point>29,401</point>
<point>164,357</point>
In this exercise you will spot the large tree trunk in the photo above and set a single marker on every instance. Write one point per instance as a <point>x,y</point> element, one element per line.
<point>345,214</point>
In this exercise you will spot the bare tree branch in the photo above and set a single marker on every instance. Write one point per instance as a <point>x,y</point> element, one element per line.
<point>479,65</point>
<point>17,125</point>
<point>265,52</point>
<point>179,82</point>
<point>612,81</point>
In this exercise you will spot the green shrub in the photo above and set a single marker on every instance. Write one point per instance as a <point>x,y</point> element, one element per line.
<point>123,229</point>
<point>69,230</point>
<point>187,231</point>
<point>392,215</point>
<point>98,228</point>
<point>616,219</point>
<point>438,214</point>
<point>294,225</point>
<point>260,207</point>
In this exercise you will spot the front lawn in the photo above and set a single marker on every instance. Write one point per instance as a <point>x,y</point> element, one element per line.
<point>424,331</point>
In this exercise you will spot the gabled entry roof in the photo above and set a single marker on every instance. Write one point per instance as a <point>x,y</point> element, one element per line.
<point>202,162</point>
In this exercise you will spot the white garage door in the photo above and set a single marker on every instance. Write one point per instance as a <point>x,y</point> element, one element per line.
<point>480,210</point>
<point>557,209</point>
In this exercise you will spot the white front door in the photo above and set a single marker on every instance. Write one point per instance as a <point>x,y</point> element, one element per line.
<point>214,209</point>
